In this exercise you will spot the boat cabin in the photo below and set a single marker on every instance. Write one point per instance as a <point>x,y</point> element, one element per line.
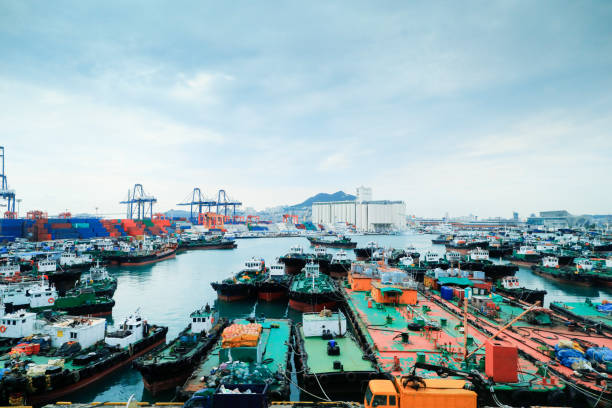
<point>277,269</point>
<point>16,325</point>
<point>393,293</point>
<point>361,275</point>
<point>87,331</point>
<point>550,262</point>
<point>311,269</point>
<point>296,250</point>
<point>202,320</point>
<point>510,282</point>
<point>320,251</point>
<point>47,265</point>
<point>130,331</point>
<point>254,265</point>
<point>340,256</point>
<point>9,270</point>
<point>324,323</point>
<point>479,254</point>
<point>453,256</point>
<point>406,261</point>
<point>583,264</point>
<point>527,250</point>
<point>431,256</point>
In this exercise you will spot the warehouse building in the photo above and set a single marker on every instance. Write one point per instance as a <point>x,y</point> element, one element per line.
<point>365,214</point>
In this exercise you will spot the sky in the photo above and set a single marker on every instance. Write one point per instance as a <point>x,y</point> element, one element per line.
<point>463,107</point>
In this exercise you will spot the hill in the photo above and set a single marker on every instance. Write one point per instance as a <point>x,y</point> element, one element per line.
<point>325,197</point>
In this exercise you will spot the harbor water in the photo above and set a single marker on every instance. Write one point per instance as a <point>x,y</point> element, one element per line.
<point>168,291</point>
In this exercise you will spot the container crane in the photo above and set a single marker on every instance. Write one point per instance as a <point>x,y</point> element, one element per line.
<point>139,203</point>
<point>224,201</point>
<point>5,192</point>
<point>198,200</point>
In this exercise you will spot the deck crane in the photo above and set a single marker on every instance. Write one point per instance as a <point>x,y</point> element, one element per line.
<point>139,204</point>
<point>198,201</point>
<point>224,201</point>
<point>5,192</point>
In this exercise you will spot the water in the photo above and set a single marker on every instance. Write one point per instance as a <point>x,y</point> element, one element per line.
<point>168,291</point>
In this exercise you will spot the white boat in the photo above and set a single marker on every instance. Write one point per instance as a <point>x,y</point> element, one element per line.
<point>133,329</point>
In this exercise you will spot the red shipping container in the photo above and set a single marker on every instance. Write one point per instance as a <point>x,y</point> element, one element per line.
<point>501,361</point>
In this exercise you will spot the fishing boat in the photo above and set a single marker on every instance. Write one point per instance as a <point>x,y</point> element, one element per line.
<point>170,366</point>
<point>275,285</point>
<point>340,241</point>
<point>243,284</point>
<point>312,291</point>
<point>70,353</point>
<point>329,360</point>
<point>250,352</point>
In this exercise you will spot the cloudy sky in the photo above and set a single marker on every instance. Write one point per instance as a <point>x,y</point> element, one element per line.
<point>478,107</point>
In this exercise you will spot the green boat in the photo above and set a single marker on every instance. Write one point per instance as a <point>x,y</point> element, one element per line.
<point>263,359</point>
<point>203,242</point>
<point>313,291</point>
<point>581,274</point>
<point>594,315</point>
<point>171,365</point>
<point>82,302</point>
<point>98,280</point>
<point>330,242</point>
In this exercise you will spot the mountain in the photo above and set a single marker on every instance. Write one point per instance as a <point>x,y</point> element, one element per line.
<point>325,197</point>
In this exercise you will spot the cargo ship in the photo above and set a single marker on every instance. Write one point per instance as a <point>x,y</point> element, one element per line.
<point>322,258</point>
<point>365,253</point>
<point>338,242</point>
<point>578,275</point>
<point>203,242</point>
<point>170,366</point>
<point>568,352</point>
<point>312,291</point>
<point>329,361</point>
<point>340,265</point>
<point>243,284</point>
<point>62,279</point>
<point>276,284</point>
<point>71,353</point>
<point>249,353</point>
<point>407,329</point>
<point>463,245</point>
<point>145,253</point>
<point>442,239</point>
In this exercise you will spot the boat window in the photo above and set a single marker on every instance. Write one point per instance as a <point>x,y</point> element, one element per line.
<point>379,400</point>
<point>73,335</point>
<point>392,400</point>
<point>14,322</point>
<point>195,319</point>
<point>23,321</point>
<point>368,396</point>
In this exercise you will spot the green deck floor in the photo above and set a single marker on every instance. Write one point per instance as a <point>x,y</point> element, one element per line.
<point>351,355</point>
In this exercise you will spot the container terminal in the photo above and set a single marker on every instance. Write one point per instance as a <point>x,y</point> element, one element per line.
<point>370,325</point>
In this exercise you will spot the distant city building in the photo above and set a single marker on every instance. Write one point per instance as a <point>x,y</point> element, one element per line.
<point>551,219</point>
<point>515,216</point>
<point>366,215</point>
<point>364,194</point>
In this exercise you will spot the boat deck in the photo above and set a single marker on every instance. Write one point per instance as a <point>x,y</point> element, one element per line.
<point>275,337</point>
<point>585,310</point>
<point>351,355</point>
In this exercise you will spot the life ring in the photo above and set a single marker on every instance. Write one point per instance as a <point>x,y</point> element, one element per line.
<point>2,329</point>
<point>51,300</point>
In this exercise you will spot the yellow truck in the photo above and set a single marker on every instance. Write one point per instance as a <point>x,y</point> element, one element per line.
<point>408,392</point>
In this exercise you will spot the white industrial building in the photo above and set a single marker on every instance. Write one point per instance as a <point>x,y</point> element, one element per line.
<point>364,213</point>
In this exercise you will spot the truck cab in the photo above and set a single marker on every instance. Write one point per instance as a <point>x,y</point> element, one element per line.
<point>381,394</point>
<point>428,393</point>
